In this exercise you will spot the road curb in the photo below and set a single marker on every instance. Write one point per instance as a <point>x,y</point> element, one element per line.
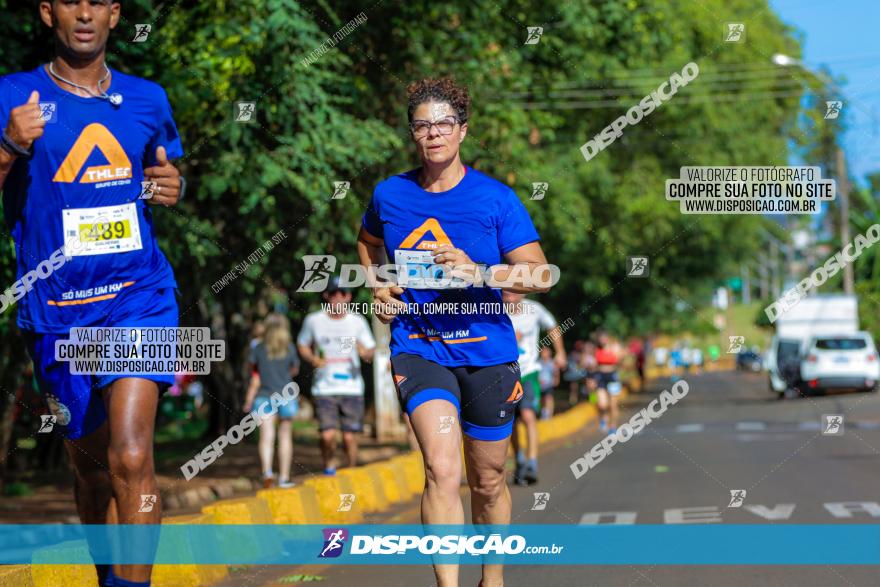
<point>376,487</point>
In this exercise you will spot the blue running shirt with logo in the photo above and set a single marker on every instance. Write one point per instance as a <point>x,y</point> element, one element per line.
<point>76,202</point>
<point>485,219</point>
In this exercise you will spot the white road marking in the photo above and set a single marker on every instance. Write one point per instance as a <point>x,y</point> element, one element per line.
<point>846,509</point>
<point>781,511</point>
<point>751,426</point>
<point>616,518</point>
<point>699,515</point>
<point>688,428</point>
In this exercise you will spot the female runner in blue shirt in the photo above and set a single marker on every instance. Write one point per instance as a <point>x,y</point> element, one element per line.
<point>454,365</point>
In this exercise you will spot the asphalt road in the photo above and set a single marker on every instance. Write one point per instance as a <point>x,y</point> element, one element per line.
<point>728,433</point>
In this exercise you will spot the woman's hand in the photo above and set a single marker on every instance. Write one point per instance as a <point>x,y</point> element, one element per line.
<point>458,261</point>
<point>387,302</point>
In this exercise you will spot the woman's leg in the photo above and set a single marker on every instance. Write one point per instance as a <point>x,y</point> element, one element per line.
<point>603,405</point>
<point>441,448</point>
<point>490,498</point>
<point>285,448</point>
<point>614,411</point>
<point>267,444</point>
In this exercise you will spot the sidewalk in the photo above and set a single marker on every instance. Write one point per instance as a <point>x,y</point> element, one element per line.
<point>236,473</point>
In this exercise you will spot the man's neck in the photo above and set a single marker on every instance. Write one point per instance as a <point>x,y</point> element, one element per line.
<point>441,178</point>
<point>83,72</point>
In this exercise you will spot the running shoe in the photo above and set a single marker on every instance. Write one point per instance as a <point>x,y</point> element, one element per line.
<point>330,471</point>
<point>268,481</point>
<point>603,426</point>
<point>531,475</point>
<point>519,475</point>
<point>286,484</point>
<point>612,431</point>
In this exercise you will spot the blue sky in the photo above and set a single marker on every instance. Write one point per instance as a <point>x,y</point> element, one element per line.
<point>843,35</point>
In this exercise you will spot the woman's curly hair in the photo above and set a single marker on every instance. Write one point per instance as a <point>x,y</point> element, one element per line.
<point>439,90</point>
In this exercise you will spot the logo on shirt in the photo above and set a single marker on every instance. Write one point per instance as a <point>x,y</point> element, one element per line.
<point>415,238</point>
<point>118,165</point>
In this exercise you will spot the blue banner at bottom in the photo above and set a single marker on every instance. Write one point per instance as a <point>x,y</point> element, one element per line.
<point>373,544</point>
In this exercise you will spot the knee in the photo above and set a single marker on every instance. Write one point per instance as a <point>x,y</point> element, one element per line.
<point>444,473</point>
<point>131,461</point>
<point>94,480</point>
<point>488,483</point>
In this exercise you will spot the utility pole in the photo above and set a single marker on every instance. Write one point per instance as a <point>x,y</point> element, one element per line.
<point>843,196</point>
<point>746,284</point>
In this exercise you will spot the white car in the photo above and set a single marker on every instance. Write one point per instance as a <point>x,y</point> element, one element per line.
<point>846,361</point>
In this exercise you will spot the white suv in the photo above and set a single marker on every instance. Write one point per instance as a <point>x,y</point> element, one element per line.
<point>847,361</point>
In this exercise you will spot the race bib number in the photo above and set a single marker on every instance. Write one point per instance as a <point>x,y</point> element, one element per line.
<point>102,230</point>
<point>417,270</point>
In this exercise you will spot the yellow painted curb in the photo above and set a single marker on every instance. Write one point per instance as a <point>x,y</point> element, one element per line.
<point>297,505</point>
<point>329,490</point>
<point>246,510</point>
<point>189,574</point>
<point>393,480</point>
<point>414,472</point>
<point>367,488</point>
<point>245,543</point>
<point>45,574</point>
<point>16,576</point>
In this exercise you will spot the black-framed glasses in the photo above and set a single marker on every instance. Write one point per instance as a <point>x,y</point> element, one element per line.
<point>445,126</point>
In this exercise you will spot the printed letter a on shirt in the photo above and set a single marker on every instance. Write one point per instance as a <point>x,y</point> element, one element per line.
<point>430,225</point>
<point>94,135</point>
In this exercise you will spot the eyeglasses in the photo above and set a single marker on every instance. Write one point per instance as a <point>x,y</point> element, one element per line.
<point>445,126</point>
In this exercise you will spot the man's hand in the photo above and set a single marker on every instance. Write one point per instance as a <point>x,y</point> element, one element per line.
<point>561,361</point>
<point>388,303</point>
<point>318,362</point>
<point>167,178</point>
<point>26,123</point>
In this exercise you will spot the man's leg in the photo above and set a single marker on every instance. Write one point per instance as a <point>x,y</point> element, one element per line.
<point>352,416</point>
<point>349,440</point>
<point>531,422</point>
<point>490,498</point>
<point>131,408</point>
<point>92,489</point>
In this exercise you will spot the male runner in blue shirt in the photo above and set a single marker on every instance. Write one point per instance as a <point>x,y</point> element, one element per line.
<point>79,140</point>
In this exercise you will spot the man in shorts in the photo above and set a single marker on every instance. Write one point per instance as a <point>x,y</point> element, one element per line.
<point>334,341</point>
<point>529,318</point>
<point>84,150</point>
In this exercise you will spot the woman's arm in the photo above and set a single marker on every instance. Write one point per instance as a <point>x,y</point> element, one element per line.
<point>520,275</point>
<point>252,390</point>
<point>371,252</point>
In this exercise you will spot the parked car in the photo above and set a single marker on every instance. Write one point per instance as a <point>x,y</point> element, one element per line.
<point>842,362</point>
<point>749,360</point>
<point>784,365</point>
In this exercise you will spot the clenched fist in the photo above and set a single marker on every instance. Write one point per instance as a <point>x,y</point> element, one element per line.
<point>26,123</point>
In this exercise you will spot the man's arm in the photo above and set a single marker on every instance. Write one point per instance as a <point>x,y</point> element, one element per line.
<point>167,179</point>
<point>25,125</point>
<point>310,357</point>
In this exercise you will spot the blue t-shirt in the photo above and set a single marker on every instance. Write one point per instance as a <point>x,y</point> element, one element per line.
<point>80,190</point>
<point>485,219</point>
